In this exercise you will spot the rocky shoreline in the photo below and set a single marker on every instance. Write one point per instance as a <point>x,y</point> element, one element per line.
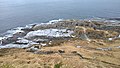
<point>58,29</point>
<point>88,40</point>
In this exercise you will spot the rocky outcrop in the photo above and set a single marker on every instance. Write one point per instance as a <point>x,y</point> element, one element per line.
<point>94,33</point>
<point>111,28</point>
<point>58,30</point>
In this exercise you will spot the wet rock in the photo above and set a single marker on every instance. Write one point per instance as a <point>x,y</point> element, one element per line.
<point>27,29</point>
<point>0,42</point>
<point>12,37</point>
<point>19,34</point>
<point>8,40</point>
<point>41,40</point>
<point>20,43</point>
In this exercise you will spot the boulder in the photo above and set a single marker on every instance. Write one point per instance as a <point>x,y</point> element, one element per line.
<point>45,52</point>
<point>8,40</point>
<point>27,29</point>
<point>32,49</point>
<point>61,51</point>
<point>105,49</point>
<point>19,34</point>
<point>74,52</point>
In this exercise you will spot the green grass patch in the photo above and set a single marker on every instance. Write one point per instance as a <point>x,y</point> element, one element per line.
<point>6,66</point>
<point>58,65</point>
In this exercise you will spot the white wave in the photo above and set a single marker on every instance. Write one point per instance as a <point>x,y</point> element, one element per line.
<point>10,33</point>
<point>30,25</point>
<point>1,38</point>
<point>14,31</point>
<point>50,22</point>
<point>55,21</point>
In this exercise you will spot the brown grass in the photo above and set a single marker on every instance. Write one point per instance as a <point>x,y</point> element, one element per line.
<point>19,58</point>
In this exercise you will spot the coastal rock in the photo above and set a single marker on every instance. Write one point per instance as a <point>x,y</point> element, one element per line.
<point>61,51</point>
<point>31,49</point>
<point>19,34</point>
<point>115,28</point>
<point>58,31</point>
<point>70,23</point>
<point>50,33</point>
<point>81,33</point>
<point>74,52</point>
<point>11,45</point>
<point>22,41</point>
<point>27,30</point>
<point>94,33</point>
<point>45,52</point>
<point>37,46</point>
<point>8,40</point>
<point>34,48</point>
<point>1,38</point>
<point>39,40</point>
<point>12,38</point>
<point>105,49</point>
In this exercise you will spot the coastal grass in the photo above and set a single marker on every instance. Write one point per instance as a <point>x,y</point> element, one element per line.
<point>6,66</point>
<point>58,65</point>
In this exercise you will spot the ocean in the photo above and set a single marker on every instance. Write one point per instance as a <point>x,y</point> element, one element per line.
<point>15,13</point>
